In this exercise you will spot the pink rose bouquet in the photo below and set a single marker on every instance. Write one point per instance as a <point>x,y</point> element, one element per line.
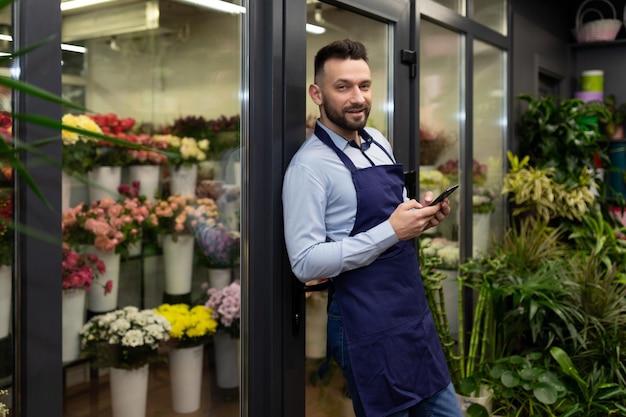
<point>182,214</point>
<point>111,226</point>
<point>80,271</point>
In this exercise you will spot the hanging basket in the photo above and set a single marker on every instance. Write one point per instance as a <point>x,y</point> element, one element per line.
<point>602,29</point>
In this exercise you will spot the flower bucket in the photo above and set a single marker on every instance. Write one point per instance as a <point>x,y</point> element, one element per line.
<point>178,263</point>
<point>149,177</point>
<point>186,378</point>
<point>73,308</point>
<point>226,360</point>
<point>129,391</point>
<point>219,277</point>
<point>97,301</point>
<point>104,182</point>
<point>6,295</point>
<point>66,190</point>
<point>480,233</point>
<point>183,180</point>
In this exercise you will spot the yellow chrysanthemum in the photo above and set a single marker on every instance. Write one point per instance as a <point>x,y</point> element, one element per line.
<point>81,122</point>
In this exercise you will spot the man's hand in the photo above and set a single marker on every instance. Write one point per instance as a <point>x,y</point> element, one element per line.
<point>411,218</point>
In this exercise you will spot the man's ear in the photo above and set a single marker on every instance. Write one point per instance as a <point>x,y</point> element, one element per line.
<point>316,94</point>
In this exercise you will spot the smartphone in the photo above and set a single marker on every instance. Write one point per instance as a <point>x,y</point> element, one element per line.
<point>443,195</point>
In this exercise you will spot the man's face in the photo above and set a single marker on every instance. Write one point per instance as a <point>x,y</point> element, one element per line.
<point>344,95</point>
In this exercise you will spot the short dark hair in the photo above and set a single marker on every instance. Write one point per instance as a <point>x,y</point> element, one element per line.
<point>345,49</point>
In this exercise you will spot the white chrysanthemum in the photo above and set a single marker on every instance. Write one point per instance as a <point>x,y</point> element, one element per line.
<point>133,338</point>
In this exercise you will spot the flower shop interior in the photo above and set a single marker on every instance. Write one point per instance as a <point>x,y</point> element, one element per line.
<point>145,146</point>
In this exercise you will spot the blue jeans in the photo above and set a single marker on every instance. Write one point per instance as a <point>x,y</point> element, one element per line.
<point>443,404</point>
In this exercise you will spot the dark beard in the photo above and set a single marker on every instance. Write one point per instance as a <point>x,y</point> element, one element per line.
<point>339,118</point>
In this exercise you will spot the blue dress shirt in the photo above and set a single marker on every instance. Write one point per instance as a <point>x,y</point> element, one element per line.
<point>319,202</point>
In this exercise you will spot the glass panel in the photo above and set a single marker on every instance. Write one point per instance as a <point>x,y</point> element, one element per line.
<point>489,143</point>
<point>7,236</point>
<point>456,5</point>
<point>491,13</point>
<point>329,397</point>
<point>440,130</point>
<point>7,287</point>
<point>167,75</point>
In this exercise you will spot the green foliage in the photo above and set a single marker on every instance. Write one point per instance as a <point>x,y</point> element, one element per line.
<point>591,396</point>
<point>561,134</point>
<point>538,192</point>
<point>525,385</point>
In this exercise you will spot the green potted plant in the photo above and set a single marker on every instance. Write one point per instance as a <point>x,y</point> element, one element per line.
<point>612,120</point>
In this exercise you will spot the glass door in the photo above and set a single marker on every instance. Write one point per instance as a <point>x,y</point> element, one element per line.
<point>165,74</point>
<point>383,37</point>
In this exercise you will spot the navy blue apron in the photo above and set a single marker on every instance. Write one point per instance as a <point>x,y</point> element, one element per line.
<point>392,342</point>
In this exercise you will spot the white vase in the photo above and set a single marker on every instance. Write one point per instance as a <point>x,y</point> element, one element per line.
<point>485,399</point>
<point>73,308</point>
<point>178,263</point>
<point>186,378</point>
<point>129,391</point>
<point>450,287</point>
<point>97,301</point>
<point>210,169</point>
<point>183,180</point>
<point>315,325</point>
<point>66,190</point>
<point>104,182</point>
<point>149,177</point>
<point>6,295</point>
<point>480,233</point>
<point>219,277</point>
<point>226,360</point>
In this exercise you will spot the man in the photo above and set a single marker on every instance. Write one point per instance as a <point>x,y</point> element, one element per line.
<point>347,217</point>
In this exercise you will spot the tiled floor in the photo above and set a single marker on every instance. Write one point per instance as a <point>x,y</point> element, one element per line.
<point>322,400</point>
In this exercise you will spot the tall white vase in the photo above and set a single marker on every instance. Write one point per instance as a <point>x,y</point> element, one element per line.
<point>178,263</point>
<point>219,277</point>
<point>97,301</point>
<point>104,182</point>
<point>480,233</point>
<point>73,308</point>
<point>226,360</point>
<point>6,295</point>
<point>129,391</point>
<point>66,190</point>
<point>149,177</point>
<point>315,325</point>
<point>186,378</point>
<point>183,180</point>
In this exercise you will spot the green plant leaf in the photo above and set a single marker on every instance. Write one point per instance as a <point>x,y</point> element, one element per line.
<point>476,410</point>
<point>545,393</point>
<point>509,379</point>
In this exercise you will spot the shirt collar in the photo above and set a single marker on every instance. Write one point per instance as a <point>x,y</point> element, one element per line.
<point>341,142</point>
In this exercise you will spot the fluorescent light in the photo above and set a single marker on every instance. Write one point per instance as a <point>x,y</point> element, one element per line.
<point>314,29</point>
<point>64,46</point>
<point>73,48</point>
<point>222,6</point>
<point>76,4</point>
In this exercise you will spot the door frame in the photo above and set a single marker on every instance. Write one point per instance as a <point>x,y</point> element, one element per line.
<point>273,333</point>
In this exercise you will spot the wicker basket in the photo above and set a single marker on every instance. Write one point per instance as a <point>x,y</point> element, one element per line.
<point>596,30</point>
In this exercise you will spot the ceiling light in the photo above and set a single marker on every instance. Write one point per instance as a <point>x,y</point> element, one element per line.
<point>64,46</point>
<point>76,4</point>
<point>314,29</point>
<point>73,48</point>
<point>222,6</point>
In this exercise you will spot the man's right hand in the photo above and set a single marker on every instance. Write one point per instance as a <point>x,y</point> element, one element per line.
<point>411,218</point>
